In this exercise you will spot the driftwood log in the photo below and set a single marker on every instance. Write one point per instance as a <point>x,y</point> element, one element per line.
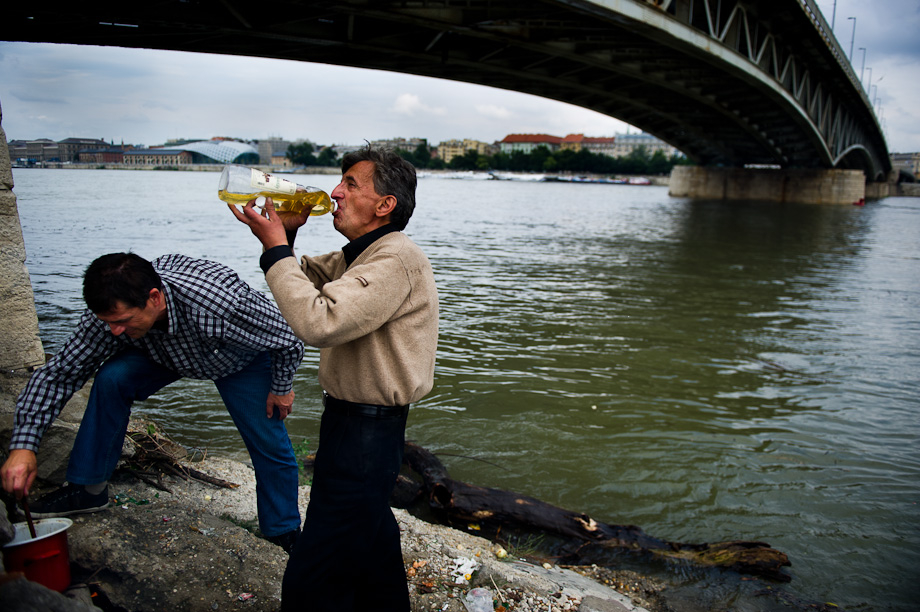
<point>592,541</point>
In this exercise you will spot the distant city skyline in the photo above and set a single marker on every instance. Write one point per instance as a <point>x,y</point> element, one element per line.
<point>629,131</point>
<point>147,97</point>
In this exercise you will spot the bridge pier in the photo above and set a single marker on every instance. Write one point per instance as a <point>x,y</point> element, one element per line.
<point>20,347</point>
<point>876,191</point>
<point>812,186</point>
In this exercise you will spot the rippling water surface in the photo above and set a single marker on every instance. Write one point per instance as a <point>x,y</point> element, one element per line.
<point>707,371</point>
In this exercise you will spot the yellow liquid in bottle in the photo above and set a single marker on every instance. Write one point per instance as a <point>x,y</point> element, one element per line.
<point>295,202</point>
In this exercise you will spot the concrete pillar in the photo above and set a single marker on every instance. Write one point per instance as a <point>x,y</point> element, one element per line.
<point>20,347</point>
<point>876,191</point>
<point>771,185</point>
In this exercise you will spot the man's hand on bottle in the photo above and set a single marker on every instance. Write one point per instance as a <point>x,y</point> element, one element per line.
<point>267,226</point>
<point>293,221</point>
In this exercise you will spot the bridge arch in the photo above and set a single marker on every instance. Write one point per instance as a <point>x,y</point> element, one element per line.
<point>858,157</point>
<point>728,82</point>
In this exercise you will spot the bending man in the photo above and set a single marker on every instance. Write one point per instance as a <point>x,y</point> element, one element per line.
<point>146,326</point>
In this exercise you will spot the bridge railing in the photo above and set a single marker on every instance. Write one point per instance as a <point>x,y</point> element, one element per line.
<point>814,14</point>
<point>717,27</point>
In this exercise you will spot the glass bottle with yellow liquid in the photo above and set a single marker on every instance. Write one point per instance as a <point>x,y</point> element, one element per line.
<point>239,184</point>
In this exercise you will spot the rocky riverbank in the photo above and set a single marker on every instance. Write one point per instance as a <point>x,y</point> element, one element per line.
<point>195,548</point>
<point>192,549</point>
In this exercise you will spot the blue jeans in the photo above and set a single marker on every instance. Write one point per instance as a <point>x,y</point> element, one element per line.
<point>131,376</point>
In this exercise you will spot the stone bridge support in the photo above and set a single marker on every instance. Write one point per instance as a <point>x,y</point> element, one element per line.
<point>774,185</point>
<point>20,347</point>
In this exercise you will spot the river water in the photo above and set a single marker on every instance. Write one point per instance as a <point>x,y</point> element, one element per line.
<point>704,370</point>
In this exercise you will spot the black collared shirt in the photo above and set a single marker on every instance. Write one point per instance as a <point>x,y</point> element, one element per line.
<point>357,246</point>
<point>351,250</point>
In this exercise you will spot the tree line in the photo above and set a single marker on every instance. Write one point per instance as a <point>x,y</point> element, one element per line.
<point>301,154</point>
<point>541,159</point>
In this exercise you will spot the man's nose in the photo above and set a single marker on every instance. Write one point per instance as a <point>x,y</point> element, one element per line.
<point>117,330</point>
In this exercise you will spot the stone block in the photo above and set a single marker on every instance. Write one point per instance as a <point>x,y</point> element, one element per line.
<point>21,595</point>
<point>753,185</point>
<point>54,451</point>
<point>8,208</point>
<point>6,171</point>
<point>876,191</point>
<point>20,346</point>
<point>596,604</point>
<point>696,182</point>
<point>769,185</point>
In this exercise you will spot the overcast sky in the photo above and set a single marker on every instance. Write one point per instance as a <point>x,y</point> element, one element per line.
<point>147,97</point>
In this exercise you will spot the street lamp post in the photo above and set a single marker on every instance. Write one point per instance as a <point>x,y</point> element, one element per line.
<point>852,38</point>
<point>869,82</point>
<point>863,71</point>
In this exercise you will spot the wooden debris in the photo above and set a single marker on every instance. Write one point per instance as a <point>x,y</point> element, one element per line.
<point>155,454</point>
<point>593,540</point>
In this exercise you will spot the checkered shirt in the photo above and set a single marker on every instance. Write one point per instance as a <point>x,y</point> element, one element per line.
<point>216,325</point>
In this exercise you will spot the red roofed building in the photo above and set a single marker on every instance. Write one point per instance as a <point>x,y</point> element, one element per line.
<point>599,145</point>
<point>528,142</point>
<point>575,142</point>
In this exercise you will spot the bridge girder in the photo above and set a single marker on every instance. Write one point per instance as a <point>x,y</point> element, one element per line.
<point>728,82</point>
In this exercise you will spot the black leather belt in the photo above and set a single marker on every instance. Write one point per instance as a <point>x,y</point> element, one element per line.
<point>374,411</point>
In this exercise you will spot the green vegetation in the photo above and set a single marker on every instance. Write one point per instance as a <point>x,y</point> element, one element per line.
<point>302,155</point>
<point>301,452</point>
<point>251,525</point>
<point>544,160</point>
<point>421,158</point>
<point>540,159</point>
<point>531,547</point>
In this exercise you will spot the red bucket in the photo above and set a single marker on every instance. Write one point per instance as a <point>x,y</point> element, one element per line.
<point>44,559</point>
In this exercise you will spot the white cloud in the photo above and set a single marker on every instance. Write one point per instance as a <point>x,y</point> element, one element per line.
<point>411,105</point>
<point>493,111</point>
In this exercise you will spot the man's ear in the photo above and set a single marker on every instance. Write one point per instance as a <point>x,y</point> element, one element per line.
<point>156,297</point>
<point>386,205</point>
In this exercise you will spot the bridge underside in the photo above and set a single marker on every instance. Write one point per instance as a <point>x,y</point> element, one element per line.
<point>650,71</point>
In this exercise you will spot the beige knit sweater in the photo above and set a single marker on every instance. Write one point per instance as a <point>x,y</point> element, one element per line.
<point>376,323</point>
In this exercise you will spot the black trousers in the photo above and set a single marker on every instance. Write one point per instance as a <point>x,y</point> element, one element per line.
<point>349,557</point>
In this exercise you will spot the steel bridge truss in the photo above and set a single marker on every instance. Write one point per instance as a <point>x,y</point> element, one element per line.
<point>843,132</point>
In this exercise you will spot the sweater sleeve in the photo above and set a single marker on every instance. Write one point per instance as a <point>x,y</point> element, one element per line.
<point>341,310</point>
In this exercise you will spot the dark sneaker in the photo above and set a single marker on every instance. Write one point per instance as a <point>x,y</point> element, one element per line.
<point>69,499</point>
<point>285,540</point>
